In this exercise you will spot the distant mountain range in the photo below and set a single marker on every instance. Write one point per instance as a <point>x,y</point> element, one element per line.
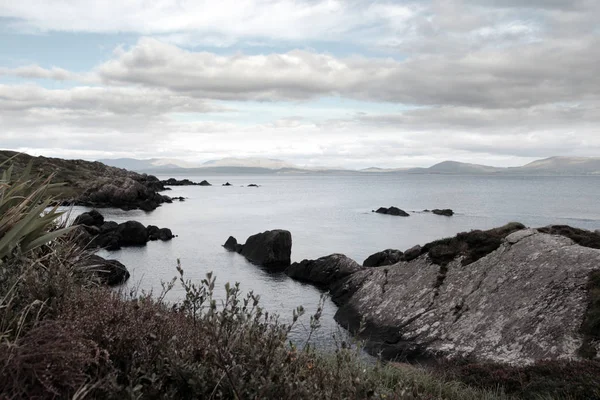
<point>548,166</point>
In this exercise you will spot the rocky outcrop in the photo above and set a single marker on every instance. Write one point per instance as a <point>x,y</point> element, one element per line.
<point>270,249</point>
<point>231,244</point>
<point>508,295</point>
<point>253,185</point>
<point>323,271</point>
<point>385,257</point>
<point>227,184</point>
<point>94,232</point>
<point>122,192</point>
<point>184,182</point>
<point>445,212</point>
<point>522,302</point>
<point>109,272</point>
<point>392,211</point>
<point>92,184</point>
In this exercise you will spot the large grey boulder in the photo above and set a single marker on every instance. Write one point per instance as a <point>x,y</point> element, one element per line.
<point>271,249</point>
<point>524,301</point>
<point>323,271</point>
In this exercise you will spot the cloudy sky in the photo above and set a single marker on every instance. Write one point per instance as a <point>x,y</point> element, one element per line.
<point>315,82</point>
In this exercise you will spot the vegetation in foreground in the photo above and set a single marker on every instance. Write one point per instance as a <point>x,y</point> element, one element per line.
<point>62,335</point>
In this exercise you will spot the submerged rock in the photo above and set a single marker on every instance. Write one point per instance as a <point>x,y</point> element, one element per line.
<point>323,271</point>
<point>271,249</point>
<point>385,257</point>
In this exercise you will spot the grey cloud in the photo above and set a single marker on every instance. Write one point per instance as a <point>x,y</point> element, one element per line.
<point>532,74</point>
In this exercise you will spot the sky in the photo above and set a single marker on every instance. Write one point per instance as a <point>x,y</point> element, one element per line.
<point>351,83</point>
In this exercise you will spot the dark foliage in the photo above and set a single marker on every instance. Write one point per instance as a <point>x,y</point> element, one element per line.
<point>549,379</point>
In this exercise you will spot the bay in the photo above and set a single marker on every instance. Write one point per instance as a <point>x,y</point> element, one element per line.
<point>329,213</point>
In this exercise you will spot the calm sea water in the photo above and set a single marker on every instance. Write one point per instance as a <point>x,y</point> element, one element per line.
<point>332,214</point>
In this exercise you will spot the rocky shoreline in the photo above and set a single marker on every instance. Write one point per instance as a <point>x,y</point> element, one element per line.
<point>509,295</point>
<point>92,232</point>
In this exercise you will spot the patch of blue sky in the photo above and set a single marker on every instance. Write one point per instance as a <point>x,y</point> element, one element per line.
<point>77,52</point>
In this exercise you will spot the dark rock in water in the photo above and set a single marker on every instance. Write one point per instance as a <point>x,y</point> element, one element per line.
<point>271,249</point>
<point>397,212</point>
<point>165,234</point>
<point>323,271</point>
<point>238,248</point>
<point>108,241</point>
<point>412,253</point>
<point>180,198</point>
<point>153,232</point>
<point>392,211</point>
<point>230,244</point>
<point>184,182</point>
<point>90,218</point>
<point>112,236</point>
<point>148,205</point>
<point>253,185</point>
<point>110,272</point>
<point>227,184</point>
<point>108,226</point>
<point>445,212</point>
<point>132,233</point>
<point>386,257</point>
